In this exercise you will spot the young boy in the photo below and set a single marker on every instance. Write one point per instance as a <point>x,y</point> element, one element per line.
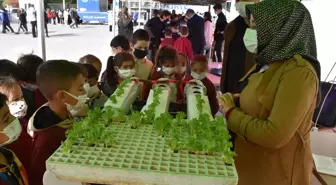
<point>11,170</point>
<point>140,45</point>
<point>183,44</point>
<point>168,40</point>
<point>48,125</point>
<point>119,44</point>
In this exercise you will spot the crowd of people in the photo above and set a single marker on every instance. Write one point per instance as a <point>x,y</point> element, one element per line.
<point>67,17</point>
<point>270,116</point>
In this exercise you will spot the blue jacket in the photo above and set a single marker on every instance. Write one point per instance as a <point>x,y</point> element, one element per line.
<point>5,17</point>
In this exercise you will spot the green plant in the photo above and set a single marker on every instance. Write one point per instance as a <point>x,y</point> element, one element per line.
<point>150,111</point>
<point>120,90</point>
<point>135,119</point>
<point>200,103</point>
<point>162,123</point>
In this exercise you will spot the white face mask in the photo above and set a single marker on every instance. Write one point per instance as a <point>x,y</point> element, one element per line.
<point>12,131</point>
<point>86,86</point>
<point>93,90</point>
<point>251,40</point>
<point>197,76</point>
<point>125,73</point>
<point>18,108</point>
<point>180,70</point>
<point>241,8</point>
<point>81,100</point>
<point>168,70</point>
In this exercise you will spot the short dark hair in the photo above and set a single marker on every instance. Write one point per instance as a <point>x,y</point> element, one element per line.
<point>190,11</point>
<point>56,75</point>
<point>91,71</point>
<point>138,35</point>
<point>168,32</point>
<point>29,64</point>
<point>166,53</point>
<point>218,6</point>
<point>165,13</point>
<point>3,100</point>
<point>9,68</point>
<point>120,41</point>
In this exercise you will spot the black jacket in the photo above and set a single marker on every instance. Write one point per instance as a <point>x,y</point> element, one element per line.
<point>220,27</point>
<point>155,27</point>
<point>196,33</point>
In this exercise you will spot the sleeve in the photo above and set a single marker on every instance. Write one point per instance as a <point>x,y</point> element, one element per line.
<point>295,95</point>
<point>212,96</point>
<point>189,50</point>
<point>206,33</point>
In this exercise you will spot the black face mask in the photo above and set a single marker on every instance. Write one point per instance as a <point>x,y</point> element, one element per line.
<point>140,54</point>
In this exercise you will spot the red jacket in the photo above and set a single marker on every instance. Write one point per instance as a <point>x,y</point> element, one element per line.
<point>183,45</point>
<point>44,125</point>
<point>211,93</point>
<point>167,42</point>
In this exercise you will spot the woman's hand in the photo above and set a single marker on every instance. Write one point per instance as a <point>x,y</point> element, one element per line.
<point>227,101</point>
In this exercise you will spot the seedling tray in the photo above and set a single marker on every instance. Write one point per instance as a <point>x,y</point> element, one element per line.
<point>139,157</point>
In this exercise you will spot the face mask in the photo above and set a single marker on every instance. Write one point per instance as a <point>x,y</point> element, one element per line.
<point>125,73</point>
<point>251,40</point>
<point>81,100</point>
<point>18,109</point>
<point>218,12</point>
<point>197,76</point>
<point>180,70</point>
<point>168,70</point>
<point>241,8</point>
<point>93,90</point>
<point>140,54</point>
<point>175,30</point>
<point>12,131</point>
<point>86,87</point>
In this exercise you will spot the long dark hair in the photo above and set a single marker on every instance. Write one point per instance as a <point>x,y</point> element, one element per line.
<point>166,53</point>
<point>117,61</point>
<point>207,16</point>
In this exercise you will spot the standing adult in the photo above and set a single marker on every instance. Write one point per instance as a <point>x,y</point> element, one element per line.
<point>73,15</point>
<point>273,121</point>
<point>219,32</point>
<point>66,16</point>
<point>196,31</point>
<point>5,21</point>
<point>46,21</point>
<point>208,30</point>
<point>31,17</point>
<point>23,20</point>
<point>155,27</point>
<point>61,16</point>
<point>125,24</point>
<point>237,60</point>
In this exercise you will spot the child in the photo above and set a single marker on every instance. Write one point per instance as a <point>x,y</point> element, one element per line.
<point>11,171</point>
<point>166,63</point>
<point>18,108</point>
<point>97,99</point>
<point>168,40</point>
<point>93,60</point>
<point>120,43</point>
<point>140,44</point>
<point>121,67</point>
<point>48,125</point>
<point>174,26</point>
<point>29,64</point>
<point>183,44</point>
<point>199,70</point>
<point>185,65</point>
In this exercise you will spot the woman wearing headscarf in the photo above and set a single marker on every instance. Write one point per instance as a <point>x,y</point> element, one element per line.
<point>125,24</point>
<point>273,121</point>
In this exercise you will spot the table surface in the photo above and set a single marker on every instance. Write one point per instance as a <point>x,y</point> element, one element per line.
<point>324,143</point>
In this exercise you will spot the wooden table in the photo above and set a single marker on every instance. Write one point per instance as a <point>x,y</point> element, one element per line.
<point>324,143</point>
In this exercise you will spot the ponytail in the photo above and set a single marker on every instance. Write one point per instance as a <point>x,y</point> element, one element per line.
<point>111,74</point>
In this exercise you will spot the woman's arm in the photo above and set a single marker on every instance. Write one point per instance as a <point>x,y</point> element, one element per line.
<point>296,94</point>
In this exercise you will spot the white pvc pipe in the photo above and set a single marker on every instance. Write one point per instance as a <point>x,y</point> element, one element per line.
<point>139,13</point>
<point>150,10</point>
<point>114,18</point>
<point>63,5</point>
<point>40,29</point>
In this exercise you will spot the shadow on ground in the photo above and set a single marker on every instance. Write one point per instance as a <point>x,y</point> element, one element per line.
<point>64,35</point>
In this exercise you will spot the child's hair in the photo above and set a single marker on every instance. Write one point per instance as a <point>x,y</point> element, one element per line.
<point>168,32</point>
<point>117,61</point>
<point>200,59</point>
<point>7,83</point>
<point>184,30</point>
<point>29,64</point>
<point>140,34</point>
<point>166,53</point>
<point>3,99</point>
<point>9,68</point>
<point>90,59</point>
<point>120,41</point>
<point>91,71</point>
<point>55,75</point>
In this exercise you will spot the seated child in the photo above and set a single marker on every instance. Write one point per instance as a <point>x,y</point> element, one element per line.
<point>183,44</point>
<point>18,108</point>
<point>185,65</point>
<point>121,67</point>
<point>199,70</point>
<point>97,99</point>
<point>12,171</point>
<point>140,45</point>
<point>93,60</point>
<point>166,63</point>
<point>168,40</point>
<point>29,64</point>
<point>48,125</point>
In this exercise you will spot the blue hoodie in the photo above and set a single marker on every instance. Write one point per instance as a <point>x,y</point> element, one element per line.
<point>4,17</point>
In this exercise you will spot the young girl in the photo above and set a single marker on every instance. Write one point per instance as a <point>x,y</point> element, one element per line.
<point>185,65</point>
<point>166,65</point>
<point>183,44</point>
<point>199,70</point>
<point>118,68</point>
